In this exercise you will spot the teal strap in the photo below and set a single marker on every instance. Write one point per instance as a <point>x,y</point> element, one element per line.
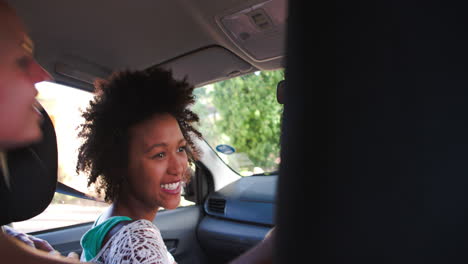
<point>92,240</point>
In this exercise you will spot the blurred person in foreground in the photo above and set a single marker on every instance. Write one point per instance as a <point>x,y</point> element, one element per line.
<point>20,122</point>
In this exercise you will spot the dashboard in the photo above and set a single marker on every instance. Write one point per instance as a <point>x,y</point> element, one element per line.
<point>238,216</point>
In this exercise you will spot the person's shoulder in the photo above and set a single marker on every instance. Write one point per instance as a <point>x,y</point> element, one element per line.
<point>142,224</point>
<point>112,226</point>
<point>135,236</point>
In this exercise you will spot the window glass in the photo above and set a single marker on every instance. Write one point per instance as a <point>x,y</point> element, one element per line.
<point>240,118</point>
<point>64,106</point>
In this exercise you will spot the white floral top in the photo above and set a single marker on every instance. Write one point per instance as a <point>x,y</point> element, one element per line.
<point>139,242</point>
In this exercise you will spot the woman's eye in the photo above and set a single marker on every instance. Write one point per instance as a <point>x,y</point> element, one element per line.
<point>23,62</point>
<point>182,149</point>
<point>159,155</point>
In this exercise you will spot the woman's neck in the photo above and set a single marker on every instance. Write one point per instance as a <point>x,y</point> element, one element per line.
<point>133,208</point>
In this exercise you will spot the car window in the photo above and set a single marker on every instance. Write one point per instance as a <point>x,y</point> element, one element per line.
<point>64,105</point>
<point>240,118</point>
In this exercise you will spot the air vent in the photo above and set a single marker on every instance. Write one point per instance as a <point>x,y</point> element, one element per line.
<point>216,205</point>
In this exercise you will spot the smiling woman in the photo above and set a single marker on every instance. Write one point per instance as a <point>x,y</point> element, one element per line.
<point>138,143</point>
<point>65,105</point>
<point>156,148</point>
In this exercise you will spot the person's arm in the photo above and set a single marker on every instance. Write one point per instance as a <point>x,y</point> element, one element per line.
<point>262,253</point>
<point>29,240</point>
<point>13,251</point>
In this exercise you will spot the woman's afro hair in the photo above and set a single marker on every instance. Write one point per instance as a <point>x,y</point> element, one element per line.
<point>125,99</point>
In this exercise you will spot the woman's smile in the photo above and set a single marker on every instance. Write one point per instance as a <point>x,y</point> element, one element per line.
<point>172,188</point>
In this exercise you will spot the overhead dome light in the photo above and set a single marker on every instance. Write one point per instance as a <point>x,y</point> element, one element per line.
<point>258,30</point>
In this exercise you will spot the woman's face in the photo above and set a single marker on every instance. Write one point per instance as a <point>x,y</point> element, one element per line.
<point>157,162</point>
<point>19,118</point>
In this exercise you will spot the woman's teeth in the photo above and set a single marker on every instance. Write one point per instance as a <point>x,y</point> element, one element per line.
<point>170,186</point>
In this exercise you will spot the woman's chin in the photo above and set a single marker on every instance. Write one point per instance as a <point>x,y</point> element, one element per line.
<point>21,140</point>
<point>172,205</point>
<point>32,137</point>
<point>32,133</point>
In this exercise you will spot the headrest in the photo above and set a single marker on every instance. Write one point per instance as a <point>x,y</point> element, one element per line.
<point>33,177</point>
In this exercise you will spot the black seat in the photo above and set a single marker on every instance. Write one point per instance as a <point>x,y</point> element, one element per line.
<point>33,177</point>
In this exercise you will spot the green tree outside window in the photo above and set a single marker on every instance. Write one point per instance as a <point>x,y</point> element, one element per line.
<point>243,112</point>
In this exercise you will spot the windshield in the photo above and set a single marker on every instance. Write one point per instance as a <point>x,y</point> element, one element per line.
<point>240,118</point>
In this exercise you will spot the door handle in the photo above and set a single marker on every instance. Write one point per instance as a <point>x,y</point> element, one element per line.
<point>171,245</point>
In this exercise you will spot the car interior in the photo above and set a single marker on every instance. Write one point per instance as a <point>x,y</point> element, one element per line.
<point>387,178</point>
<point>204,41</point>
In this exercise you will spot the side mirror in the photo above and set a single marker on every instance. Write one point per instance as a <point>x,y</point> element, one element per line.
<point>280,91</point>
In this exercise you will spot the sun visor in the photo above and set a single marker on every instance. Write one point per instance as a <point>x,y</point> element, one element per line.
<point>78,72</point>
<point>207,65</point>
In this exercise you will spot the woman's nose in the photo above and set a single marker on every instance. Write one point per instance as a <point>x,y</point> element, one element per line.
<point>177,165</point>
<point>39,74</point>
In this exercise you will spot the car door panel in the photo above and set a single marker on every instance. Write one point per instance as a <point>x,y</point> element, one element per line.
<point>66,239</point>
<point>178,229</point>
